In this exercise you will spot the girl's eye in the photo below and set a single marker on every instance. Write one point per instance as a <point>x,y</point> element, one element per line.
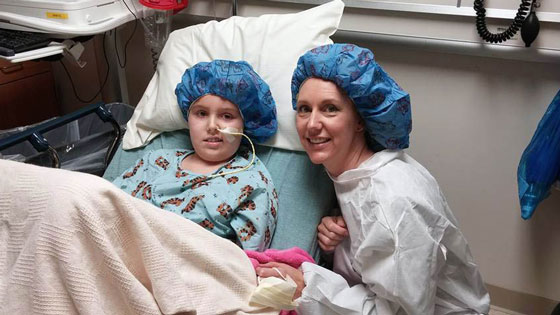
<point>331,108</point>
<point>228,116</point>
<point>201,113</point>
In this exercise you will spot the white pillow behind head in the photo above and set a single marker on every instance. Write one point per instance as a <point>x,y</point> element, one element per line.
<point>271,43</point>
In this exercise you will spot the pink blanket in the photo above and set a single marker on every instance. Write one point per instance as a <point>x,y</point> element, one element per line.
<point>294,256</point>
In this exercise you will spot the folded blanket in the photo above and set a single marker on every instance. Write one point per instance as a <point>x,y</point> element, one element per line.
<point>73,243</point>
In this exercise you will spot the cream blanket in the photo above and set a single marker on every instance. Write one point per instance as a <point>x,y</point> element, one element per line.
<point>73,243</point>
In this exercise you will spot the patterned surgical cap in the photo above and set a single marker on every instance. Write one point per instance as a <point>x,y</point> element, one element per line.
<point>383,105</point>
<point>239,84</point>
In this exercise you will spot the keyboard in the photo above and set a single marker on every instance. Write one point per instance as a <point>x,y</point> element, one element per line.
<point>13,42</point>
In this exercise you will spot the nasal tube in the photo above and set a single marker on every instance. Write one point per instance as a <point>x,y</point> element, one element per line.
<point>230,133</point>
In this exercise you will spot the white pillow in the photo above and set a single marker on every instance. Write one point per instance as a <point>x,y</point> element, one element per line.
<point>271,43</point>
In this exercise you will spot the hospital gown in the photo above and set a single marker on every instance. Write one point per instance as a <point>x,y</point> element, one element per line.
<point>404,254</point>
<point>240,206</point>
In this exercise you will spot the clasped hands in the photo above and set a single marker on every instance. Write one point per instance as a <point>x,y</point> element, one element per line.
<point>330,232</point>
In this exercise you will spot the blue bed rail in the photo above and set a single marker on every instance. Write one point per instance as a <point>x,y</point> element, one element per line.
<point>35,134</point>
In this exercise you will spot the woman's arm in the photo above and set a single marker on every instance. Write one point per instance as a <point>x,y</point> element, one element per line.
<point>398,267</point>
<point>321,291</point>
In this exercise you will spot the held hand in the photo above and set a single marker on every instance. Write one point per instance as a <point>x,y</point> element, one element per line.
<point>331,232</point>
<point>271,270</point>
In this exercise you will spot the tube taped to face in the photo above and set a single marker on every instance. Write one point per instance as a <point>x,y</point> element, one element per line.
<point>383,105</point>
<point>229,133</point>
<point>239,84</point>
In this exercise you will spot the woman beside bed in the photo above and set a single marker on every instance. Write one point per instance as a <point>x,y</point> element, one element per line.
<point>398,248</point>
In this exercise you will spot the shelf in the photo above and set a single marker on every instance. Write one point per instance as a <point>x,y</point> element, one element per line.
<point>71,17</point>
<point>429,9</point>
<point>52,49</point>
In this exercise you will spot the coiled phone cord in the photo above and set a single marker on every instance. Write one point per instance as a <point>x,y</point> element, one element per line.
<point>505,35</point>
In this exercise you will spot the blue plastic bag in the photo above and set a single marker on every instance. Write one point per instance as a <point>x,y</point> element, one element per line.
<point>540,163</point>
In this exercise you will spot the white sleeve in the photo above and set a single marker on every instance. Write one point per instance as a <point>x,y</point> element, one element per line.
<point>398,266</point>
<point>328,293</point>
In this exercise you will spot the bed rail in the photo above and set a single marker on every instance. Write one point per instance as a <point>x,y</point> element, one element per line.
<point>35,134</point>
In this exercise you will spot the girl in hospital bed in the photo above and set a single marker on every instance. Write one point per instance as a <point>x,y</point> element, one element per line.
<point>220,184</point>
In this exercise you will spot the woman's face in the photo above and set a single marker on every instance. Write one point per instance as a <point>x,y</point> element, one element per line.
<point>206,115</point>
<point>327,123</point>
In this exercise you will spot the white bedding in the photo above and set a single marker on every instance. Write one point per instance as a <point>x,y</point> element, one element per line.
<point>73,243</point>
<point>271,43</point>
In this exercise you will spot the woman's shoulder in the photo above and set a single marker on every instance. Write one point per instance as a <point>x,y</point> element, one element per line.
<point>405,181</point>
<point>400,166</point>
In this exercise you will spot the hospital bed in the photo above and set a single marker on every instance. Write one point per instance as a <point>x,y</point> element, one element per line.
<point>84,140</point>
<point>305,192</point>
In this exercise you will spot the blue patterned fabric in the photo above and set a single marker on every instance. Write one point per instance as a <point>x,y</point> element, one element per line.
<point>239,84</point>
<point>540,163</point>
<point>383,105</point>
<point>240,206</point>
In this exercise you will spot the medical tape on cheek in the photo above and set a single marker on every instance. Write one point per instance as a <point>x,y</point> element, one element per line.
<point>228,131</point>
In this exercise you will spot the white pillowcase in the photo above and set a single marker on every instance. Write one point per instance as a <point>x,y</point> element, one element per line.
<point>271,43</point>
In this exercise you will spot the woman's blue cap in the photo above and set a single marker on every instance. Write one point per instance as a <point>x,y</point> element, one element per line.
<point>238,83</point>
<point>383,105</point>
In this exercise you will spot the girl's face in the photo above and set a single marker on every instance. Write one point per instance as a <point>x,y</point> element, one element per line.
<point>327,123</point>
<point>206,115</point>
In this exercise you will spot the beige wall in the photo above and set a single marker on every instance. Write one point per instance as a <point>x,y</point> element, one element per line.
<point>472,119</point>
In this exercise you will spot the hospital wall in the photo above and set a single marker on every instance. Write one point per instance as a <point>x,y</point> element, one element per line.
<point>472,118</point>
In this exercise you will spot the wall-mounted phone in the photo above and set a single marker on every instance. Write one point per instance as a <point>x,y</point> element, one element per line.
<point>527,22</point>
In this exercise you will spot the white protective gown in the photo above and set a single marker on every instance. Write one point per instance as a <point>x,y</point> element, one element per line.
<point>404,254</point>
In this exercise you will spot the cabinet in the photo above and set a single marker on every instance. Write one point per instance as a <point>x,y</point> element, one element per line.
<point>27,93</point>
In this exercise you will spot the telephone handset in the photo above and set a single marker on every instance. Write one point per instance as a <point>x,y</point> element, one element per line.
<point>529,25</point>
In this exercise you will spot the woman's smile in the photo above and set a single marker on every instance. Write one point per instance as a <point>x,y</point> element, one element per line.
<point>317,140</point>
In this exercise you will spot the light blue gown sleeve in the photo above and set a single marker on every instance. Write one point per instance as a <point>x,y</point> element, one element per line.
<point>135,179</point>
<point>254,220</point>
<point>129,177</point>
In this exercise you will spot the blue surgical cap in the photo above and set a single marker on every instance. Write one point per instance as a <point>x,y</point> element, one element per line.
<point>239,84</point>
<point>383,105</point>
